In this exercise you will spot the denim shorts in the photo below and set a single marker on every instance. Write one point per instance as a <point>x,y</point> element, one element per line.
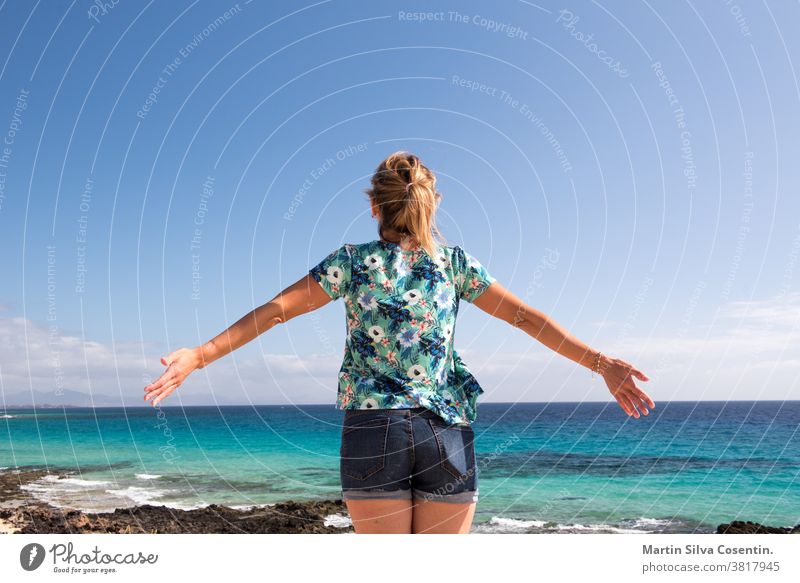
<point>406,453</point>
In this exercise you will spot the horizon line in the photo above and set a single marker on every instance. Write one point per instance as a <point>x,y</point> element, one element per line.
<point>333,405</point>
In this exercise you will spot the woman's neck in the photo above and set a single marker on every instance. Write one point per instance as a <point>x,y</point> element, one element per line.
<point>405,242</point>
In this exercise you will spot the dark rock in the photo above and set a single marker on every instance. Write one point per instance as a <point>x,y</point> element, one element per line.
<point>29,516</point>
<point>284,518</point>
<point>747,527</point>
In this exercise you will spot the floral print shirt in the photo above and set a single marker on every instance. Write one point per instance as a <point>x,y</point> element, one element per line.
<point>401,311</point>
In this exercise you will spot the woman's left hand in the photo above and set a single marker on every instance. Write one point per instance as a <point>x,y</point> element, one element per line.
<point>180,364</point>
<point>618,375</point>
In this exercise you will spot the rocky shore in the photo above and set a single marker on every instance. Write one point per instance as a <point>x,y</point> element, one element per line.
<point>20,513</point>
<point>747,527</point>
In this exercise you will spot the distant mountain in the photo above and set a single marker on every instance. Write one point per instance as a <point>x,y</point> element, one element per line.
<point>67,398</point>
<point>70,398</point>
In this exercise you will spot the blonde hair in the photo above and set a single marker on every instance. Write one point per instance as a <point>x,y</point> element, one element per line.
<point>404,189</point>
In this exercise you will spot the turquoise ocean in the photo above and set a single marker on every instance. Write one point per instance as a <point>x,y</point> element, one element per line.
<point>686,467</point>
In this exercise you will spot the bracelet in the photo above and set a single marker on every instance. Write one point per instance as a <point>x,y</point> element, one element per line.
<point>596,365</point>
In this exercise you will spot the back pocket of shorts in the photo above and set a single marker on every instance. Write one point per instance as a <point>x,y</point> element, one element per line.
<point>363,449</point>
<point>456,448</point>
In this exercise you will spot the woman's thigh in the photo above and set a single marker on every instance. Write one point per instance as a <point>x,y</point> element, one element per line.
<point>375,516</point>
<point>430,517</point>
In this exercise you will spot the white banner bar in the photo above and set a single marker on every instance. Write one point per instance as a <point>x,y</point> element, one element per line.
<point>348,557</point>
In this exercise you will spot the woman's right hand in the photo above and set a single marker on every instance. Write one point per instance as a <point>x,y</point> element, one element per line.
<point>618,375</point>
<point>180,364</point>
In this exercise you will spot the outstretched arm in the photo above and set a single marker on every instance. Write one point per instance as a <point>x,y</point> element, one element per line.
<point>501,303</point>
<point>303,296</point>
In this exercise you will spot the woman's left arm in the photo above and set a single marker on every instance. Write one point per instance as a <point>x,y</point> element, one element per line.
<point>303,296</point>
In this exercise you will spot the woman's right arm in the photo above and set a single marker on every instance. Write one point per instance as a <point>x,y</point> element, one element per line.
<point>299,298</point>
<point>501,303</point>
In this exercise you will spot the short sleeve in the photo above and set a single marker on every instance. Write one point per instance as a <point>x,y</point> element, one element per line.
<point>472,277</point>
<point>333,273</point>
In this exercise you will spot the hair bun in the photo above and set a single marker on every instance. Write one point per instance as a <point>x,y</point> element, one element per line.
<point>401,210</point>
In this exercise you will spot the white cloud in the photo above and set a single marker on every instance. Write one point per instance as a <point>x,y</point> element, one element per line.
<point>34,357</point>
<point>750,351</point>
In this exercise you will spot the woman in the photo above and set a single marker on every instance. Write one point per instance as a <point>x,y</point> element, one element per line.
<point>407,457</point>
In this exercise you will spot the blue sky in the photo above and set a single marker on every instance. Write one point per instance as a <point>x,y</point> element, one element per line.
<point>629,171</point>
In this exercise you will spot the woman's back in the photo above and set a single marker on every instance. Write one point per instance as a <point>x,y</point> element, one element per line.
<point>401,311</point>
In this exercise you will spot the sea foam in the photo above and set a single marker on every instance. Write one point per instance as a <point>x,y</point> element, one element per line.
<point>338,521</point>
<point>147,476</point>
<point>499,524</point>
